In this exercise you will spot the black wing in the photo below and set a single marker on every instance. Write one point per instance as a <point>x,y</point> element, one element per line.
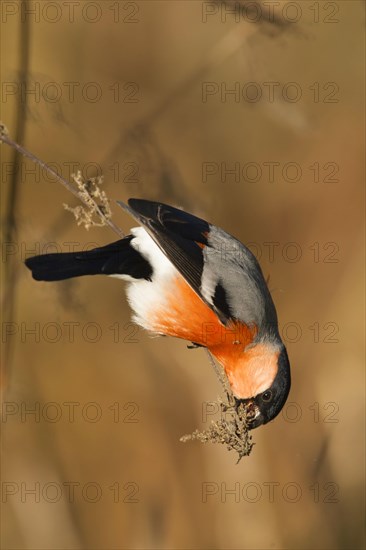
<point>181,237</point>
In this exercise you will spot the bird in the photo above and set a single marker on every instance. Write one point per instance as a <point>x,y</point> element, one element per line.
<point>190,279</point>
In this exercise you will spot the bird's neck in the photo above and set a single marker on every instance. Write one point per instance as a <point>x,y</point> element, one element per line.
<point>251,370</point>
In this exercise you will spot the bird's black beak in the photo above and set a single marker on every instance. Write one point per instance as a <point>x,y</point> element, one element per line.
<point>254,415</point>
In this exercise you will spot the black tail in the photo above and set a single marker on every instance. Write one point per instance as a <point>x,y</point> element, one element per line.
<point>118,258</point>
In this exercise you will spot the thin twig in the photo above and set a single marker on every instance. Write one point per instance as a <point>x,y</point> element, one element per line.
<point>4,137</point>
<point>220,375</point>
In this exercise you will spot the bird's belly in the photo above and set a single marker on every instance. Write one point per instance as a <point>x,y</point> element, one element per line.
<point>169,306</point>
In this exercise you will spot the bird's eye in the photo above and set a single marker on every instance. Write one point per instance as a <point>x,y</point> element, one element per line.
<point>267,396</point>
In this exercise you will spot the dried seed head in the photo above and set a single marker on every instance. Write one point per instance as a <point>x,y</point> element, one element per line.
<point>231,430</point>
<point>93,214</point>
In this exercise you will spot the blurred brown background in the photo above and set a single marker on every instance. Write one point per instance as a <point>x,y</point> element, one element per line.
<point>121,88</point>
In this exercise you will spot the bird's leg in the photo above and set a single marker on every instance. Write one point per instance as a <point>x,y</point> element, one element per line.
<point>194,346</point>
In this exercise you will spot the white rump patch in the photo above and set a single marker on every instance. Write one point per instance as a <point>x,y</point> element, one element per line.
<point>145,297</point>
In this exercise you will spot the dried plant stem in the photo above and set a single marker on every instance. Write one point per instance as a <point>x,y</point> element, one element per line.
<point>232,429</point>
<point>4,137</point>
<point>220,375</point>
